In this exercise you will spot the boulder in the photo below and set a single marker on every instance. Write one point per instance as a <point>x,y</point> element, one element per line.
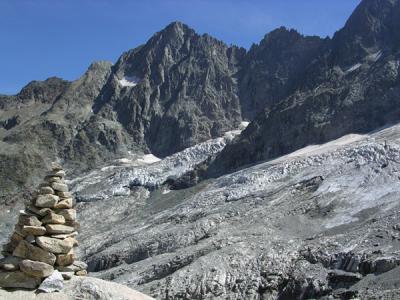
<point>33,230</point>
<point>57,186</point>
<point>74,224</point>
<point>67,275</point>
<point>64,194</point>
<point>15,239</point>
<point>80,264</point>
<point>10,263</point>
<point>68,214</point>
<point>56,246</point>
<point>65,203</point>
<point>385,264</point>
<point>50,179</point>
<point>46,190</point>
<point>75,267</point>
<point>53,283</point>
<point>59,229</point>
<point>18,230</point>
<point>53,218</point>
<point>40,212</point>
<point>59,173</point>
<point>29,221</point>
<point>55,167</point>
<point>47,201</point>
<point>66,259</point>
<point>28,251</point>
<point>36,268</point>
<point>81,273</point>
<point>30,239</point>
<point>18,279</point>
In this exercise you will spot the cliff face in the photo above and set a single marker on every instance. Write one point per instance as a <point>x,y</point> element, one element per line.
<point>273,69</point>
<point>177,90</point>
<point>353,86</point>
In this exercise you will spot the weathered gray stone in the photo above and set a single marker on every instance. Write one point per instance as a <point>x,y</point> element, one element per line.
<point>55,167</point>
<point>66,259</point>
<point>15,239</point>
<point>81,273</point>
<point>29,221</point>
<point>65,203</point>
<point>53,218</point>
<point>18,279</point>
<point>59,173</point>
<point>46,190</point>
<point>68,214</point>
<point>80,264</point>
<point>47,201</point>
<point>67,275</point>
<point>75,267</point>
<point>18,230</point>
<point>52,179</point>
<point>30,239</point>
<point>59,187</point>
<point>40,212</point>
<point>64,195</point>
<point>59,229</point>
<point>33,230</point>
<point>10,263</point>
<point>28,251</point>
<point>36,268</point>
<point>53,283</point>
<point>385,264</point>
<point>70,268</point>
<point>74,224</point>
<point>56,246</point>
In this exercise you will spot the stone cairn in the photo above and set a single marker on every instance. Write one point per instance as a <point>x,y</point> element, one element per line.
<point>42,244</point>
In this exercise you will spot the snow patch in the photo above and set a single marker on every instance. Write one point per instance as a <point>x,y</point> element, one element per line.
<point>375,56</point>
<point>129,81</point>
<point>230,135</point>
<point>149,159</point>
<point>244,125</point>
<point>124,160</point>
<point>166,191</point>
<point>353,68</point>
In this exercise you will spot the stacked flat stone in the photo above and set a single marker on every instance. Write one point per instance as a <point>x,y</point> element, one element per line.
<point>44,238</point>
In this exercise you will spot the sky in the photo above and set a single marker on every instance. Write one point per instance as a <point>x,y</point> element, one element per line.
<point>44,38</point>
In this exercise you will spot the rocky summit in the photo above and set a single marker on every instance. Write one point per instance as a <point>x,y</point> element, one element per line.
<point>200,170</point>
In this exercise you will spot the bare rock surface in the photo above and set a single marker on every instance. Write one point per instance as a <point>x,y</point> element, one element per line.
<point>315,222</point>
<point>79,288</point>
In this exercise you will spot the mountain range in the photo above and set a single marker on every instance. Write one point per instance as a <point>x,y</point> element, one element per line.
<point>229,212</point>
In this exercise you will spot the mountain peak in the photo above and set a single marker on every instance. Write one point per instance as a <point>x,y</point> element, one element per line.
<point>372,26</point>
<point>177,28</point>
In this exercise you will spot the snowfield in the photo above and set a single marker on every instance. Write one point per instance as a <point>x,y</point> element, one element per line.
<point>324,208</point>
<point>129,81</point>
<point>148,171</point>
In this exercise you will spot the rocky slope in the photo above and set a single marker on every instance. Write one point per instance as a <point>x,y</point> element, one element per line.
<point>322,221</point>
<point>353,86</point>
<point>80,288</point>
<point>273,69</point>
